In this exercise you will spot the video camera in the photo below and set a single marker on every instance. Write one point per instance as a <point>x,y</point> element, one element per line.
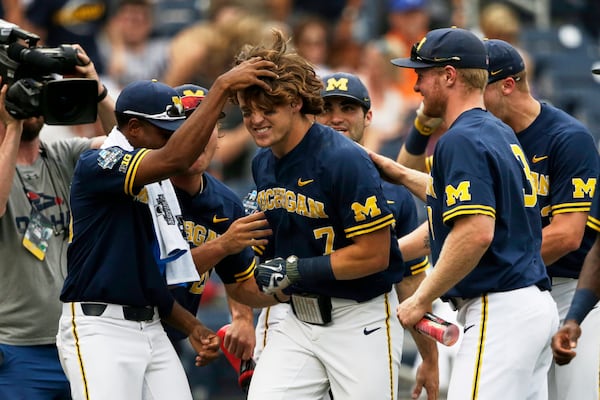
<point>35,89</point>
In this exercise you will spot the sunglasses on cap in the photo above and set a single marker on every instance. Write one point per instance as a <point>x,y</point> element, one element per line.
<point>415,56</point>
<point>172,111</point>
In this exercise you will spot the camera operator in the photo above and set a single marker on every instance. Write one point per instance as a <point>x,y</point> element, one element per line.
<point>34,220</point>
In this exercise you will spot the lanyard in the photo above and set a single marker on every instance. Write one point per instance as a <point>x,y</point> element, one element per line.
<point>30,198</point>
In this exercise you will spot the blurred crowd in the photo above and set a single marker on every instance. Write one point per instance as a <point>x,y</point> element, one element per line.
<point>194,41</point>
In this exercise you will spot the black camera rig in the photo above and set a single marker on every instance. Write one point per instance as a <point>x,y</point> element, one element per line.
<point>35,85</point>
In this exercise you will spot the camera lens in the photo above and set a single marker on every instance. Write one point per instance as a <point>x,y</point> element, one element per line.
<point>70,101</point>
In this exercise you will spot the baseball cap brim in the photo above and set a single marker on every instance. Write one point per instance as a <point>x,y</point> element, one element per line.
<point>409,63</point>
<point>172,125</point>
<point>347,96</point>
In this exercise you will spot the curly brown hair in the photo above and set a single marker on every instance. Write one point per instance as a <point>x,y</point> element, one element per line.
<point>296,78</point>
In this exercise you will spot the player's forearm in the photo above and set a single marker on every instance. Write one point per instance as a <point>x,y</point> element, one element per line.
<point>562,236</point>
<point>8,161</point>
<point>414,161</point>
<point>416,243</point>
<point>208,254</point>
<point>589,278</point>
<point>369,254</point>
<point>106,114</point>
<point>415,181</point>
<point>405,288</point>
<point>464,246</point>
<point>248,293</point>
<point>182,319</point>
<point>239,311</point>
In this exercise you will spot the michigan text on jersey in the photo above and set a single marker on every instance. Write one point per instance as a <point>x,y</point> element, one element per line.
<point>274,198</point>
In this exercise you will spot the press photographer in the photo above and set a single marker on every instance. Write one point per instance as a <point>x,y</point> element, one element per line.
<point>40,82</point>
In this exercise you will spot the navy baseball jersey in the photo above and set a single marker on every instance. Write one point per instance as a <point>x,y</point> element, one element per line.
<point>594,217</point>
<point>206,216</point>
<point>110,258</point>
<point>480,168</point>
<point>563,159</point>
<point>317,198</point>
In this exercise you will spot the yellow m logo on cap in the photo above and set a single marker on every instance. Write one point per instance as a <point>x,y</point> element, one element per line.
<point>339,84</point>
<point>195,93</point>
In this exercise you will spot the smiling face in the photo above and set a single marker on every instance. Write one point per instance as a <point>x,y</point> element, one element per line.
<point>271,125</point>
<point>345,116</point>
<point>429,84</point>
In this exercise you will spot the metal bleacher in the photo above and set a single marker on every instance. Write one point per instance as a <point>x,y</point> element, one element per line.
<point>564,57</point>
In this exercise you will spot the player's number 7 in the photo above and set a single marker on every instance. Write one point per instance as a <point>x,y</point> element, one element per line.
<point>327,232</point>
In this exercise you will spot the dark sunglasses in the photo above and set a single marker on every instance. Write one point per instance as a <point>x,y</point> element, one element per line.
<point>415,56</point>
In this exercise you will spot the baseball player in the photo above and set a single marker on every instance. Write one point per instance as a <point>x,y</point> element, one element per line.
<point>484,227</point>
<point>347,109</point>
<point>565,343</point>
<point>110,339</point>
<point>563,158</point>
<point>332,245</point>
<point>551,140</point>
<point>220,238</point>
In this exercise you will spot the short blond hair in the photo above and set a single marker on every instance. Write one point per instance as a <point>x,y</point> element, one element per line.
<point>474,78</point>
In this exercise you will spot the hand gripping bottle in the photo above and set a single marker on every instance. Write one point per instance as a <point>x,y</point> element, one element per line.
<point>244,368</point>
<point>438,329</point>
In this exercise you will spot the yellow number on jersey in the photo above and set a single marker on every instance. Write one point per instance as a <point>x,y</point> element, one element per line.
<point>329,234</point>
<point>531,197</point>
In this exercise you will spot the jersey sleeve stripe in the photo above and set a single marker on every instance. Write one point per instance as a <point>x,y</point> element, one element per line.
<point>369,224</point>
<point>469,210</point>
<point>246,274</point>
<point>583,206</point>
<point>593,223</point>
<point>419,267</point>
<point>259,250</point>
<point>131,171</point>
<point>373,229</point>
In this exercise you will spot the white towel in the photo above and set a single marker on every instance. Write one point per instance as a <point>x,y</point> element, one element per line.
<point>174,250</point>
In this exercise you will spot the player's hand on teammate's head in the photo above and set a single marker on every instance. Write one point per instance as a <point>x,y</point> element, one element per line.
<point>206,344</point>
<point>564,341</point>
<point>248,73</point>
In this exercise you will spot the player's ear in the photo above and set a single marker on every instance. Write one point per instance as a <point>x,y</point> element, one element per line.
<point>368,118</point>
<point>134,127</point>
<point>296,104</point>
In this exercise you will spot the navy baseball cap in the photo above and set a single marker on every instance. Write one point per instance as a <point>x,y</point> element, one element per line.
<point>346,85</point>
<point>191,95</point>
<point>406,5</point>
<point>446,46</point>
<point>505,60</point>
<point>155,102</point>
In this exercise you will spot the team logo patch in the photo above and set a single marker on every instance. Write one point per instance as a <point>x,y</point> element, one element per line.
<point>107,158</point>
